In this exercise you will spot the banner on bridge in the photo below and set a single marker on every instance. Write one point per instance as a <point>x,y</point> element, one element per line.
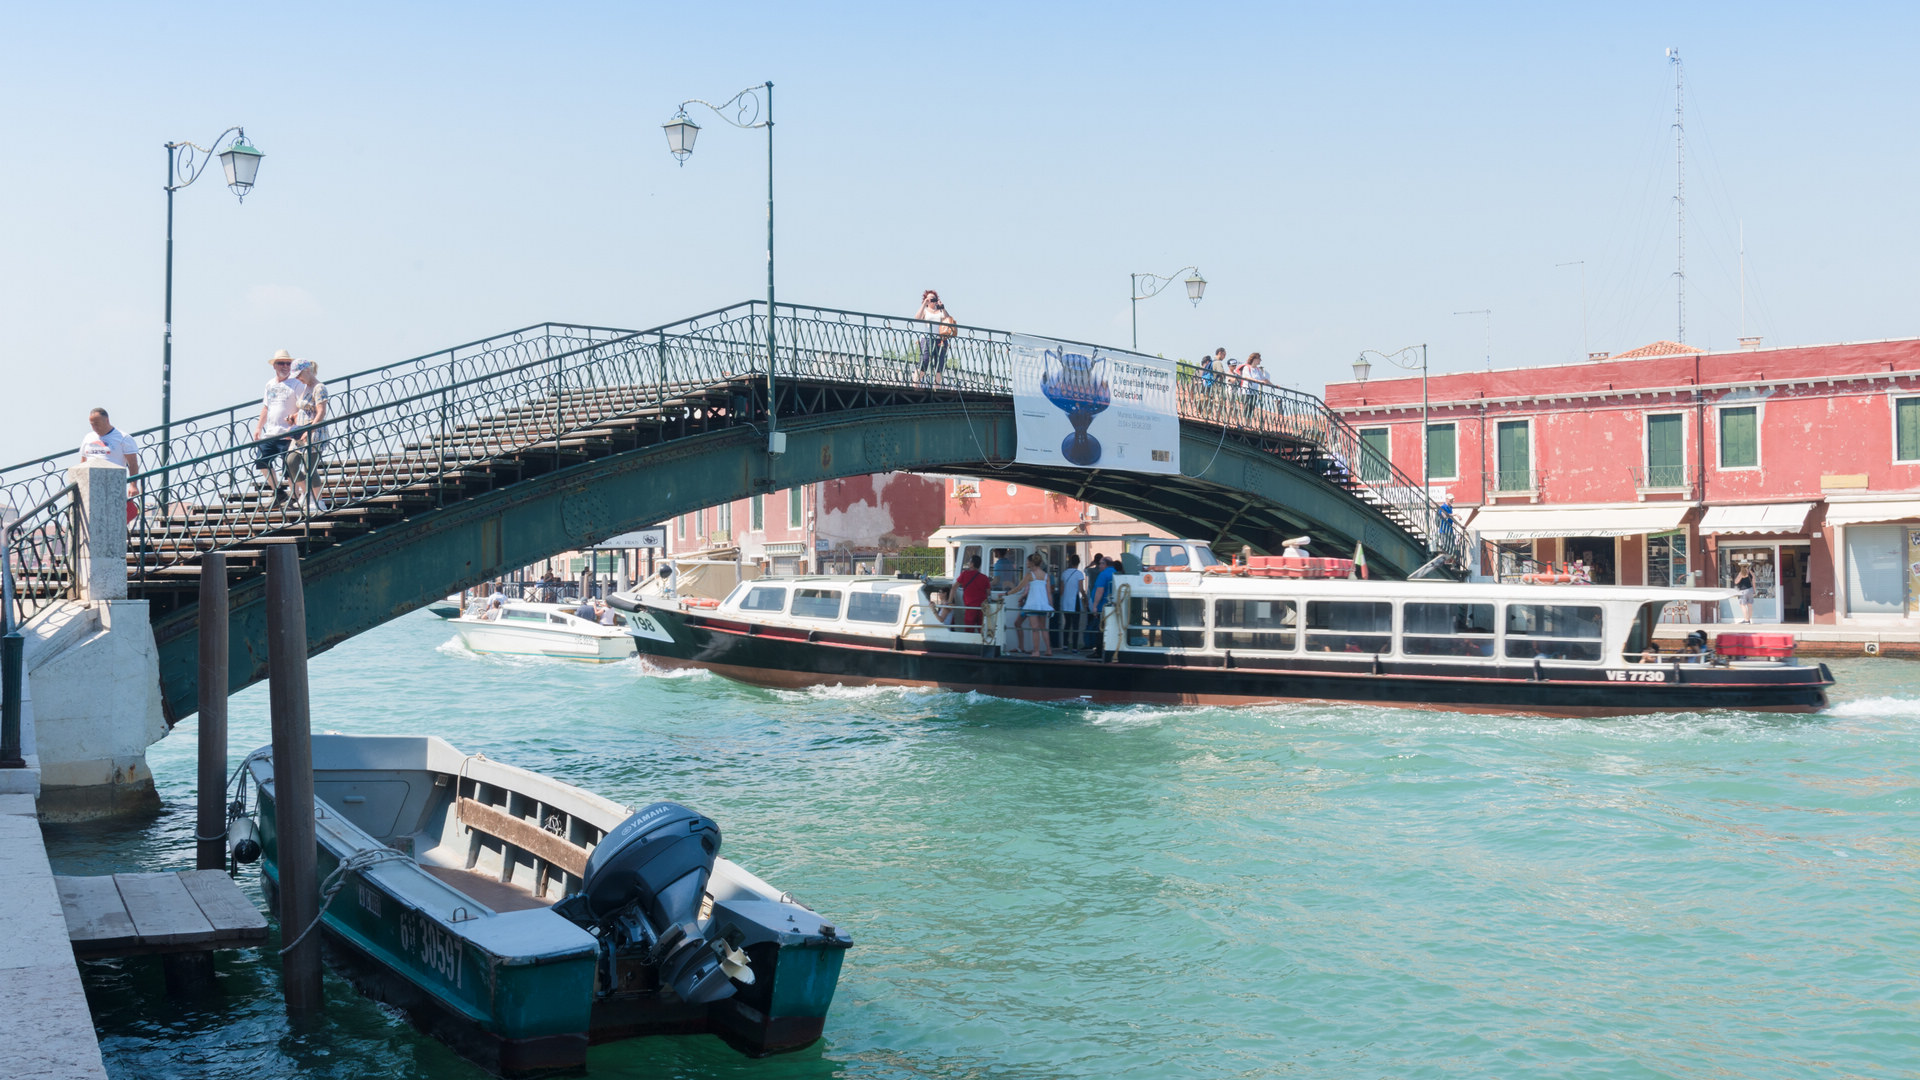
<point>1084,407</point>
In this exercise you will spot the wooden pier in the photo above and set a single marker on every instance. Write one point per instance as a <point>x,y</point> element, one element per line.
<point>190,911</point>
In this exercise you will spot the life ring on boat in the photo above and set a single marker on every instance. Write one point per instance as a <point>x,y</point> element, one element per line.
<point>699,602</point>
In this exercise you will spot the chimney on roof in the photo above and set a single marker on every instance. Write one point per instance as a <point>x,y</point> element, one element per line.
<point>1750,342</point>
<point>1602,355</point>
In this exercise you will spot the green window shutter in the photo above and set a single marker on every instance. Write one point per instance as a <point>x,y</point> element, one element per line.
<point>793,508</point>
<point>1442,452</point>
<point>1515,473</point>
<point>1376,454</point>
<point>1665,461</point>
<point>1906,413</point>
<point>1739,438</point>
<point>757,516</point>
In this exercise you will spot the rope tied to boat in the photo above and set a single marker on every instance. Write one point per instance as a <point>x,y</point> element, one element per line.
<point>331,887</point>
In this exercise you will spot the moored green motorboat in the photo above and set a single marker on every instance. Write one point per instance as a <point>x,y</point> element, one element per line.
<point>520,919</point>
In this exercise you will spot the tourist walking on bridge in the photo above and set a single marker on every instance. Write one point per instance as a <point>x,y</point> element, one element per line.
<point>107,443</point>
<point>303,464</point>
<point>933,345</point>
<point>278,407</point>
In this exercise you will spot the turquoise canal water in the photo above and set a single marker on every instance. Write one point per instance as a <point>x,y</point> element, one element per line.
<point>1069,891</point>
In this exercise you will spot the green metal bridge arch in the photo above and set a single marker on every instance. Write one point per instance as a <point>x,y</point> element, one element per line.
<point>455,468</point>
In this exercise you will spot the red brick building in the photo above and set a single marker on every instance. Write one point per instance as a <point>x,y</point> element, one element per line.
<point>1668,464</point>
<point>826,526</point>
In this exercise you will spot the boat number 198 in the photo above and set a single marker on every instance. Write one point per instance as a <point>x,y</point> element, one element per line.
<point>1651,675</point>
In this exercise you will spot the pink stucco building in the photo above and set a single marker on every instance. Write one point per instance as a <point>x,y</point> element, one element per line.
<point>1669,464</point>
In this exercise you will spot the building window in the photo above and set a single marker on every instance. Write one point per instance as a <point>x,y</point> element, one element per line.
<point>1375,454</point>
<point>757,513</point>
<point>1906,429</point>
<point>700,524</point>
<point>1666,451</point>
<point>1443,457</point>
<point>680,528</point>
<point>1667,559</point>
<point>1740,437</point>
<point>1515,472</point>
<point>793,508</point>
<point>723,515</point>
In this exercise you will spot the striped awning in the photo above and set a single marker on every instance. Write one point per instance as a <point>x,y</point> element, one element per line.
<point>1757,518</point>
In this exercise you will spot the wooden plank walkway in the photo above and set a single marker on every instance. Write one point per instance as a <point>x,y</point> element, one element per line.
<point>147,914</point>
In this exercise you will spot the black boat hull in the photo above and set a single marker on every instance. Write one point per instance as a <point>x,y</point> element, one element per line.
<point>787,658</point>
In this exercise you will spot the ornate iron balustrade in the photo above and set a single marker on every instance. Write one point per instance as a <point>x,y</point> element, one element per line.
<point>415,427</point>
<point>40,560</point>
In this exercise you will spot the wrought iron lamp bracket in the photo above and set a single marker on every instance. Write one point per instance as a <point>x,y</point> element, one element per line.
<point>1154,284</point>
<point>192,159</point>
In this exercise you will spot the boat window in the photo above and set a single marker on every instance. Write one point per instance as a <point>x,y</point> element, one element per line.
<point>1553,632</point>
<point>1640,647</point>
<point>1255,624</point>
<point>1349,627</point>
<point>1203,556</point>
<point>816,603</point>
<point>522,615</point>
<point>1447,630</point>
<point>556,617</point>
<point>874,607</point>
<point>1164,555</point>
<point>765,598</point>
<point>1167,622</point>
<point>1007,566</point>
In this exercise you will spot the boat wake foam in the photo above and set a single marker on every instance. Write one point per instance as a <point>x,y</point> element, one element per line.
<point>648,670</point>
<point>1883,708</point>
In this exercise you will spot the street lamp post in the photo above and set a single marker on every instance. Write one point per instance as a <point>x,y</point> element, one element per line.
<point>1154,283</point>
<point>185,162</point>
<point>681,131</point>
<point>1360,369</point>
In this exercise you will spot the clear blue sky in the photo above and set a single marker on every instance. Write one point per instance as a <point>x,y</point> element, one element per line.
<point>1347,176</point>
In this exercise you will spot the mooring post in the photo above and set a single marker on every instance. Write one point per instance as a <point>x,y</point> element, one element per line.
<point>211,833</point>
<point>292,776</point>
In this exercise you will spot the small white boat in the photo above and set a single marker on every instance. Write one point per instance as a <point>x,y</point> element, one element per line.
<point>521,628</point>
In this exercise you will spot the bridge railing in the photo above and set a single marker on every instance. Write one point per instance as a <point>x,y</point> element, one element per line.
<point>411,425</point>
<point>40,559</point>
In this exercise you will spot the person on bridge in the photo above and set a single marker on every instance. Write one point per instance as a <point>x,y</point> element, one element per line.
<point>278,406</point>
<point>1208,373</point>
<point>303,463</point>
<point>933,345</point>
<point>107,443</point>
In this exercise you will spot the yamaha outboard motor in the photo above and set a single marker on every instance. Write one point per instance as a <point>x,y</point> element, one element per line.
<point>643,888</point>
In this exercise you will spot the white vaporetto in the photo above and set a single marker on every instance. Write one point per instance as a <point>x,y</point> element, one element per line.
<point>1085,407</point>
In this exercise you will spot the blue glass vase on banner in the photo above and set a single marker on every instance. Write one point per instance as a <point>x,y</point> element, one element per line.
<point>1077,386</point>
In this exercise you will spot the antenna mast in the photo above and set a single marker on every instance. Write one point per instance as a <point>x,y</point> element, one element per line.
<point>1743,282</point>
<point>1679,192</point>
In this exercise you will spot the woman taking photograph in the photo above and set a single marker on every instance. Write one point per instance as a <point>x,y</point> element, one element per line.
<point>1743,581</point>
<point>1035,607</point>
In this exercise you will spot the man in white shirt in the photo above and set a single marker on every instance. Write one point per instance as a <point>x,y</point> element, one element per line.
<point>104,442</point>
<point>278,405</point>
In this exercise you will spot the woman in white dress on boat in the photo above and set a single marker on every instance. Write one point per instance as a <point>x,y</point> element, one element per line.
<point>1035,606</point>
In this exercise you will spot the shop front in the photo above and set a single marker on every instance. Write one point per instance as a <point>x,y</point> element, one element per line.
<point>1616,544</point>
<point>1769,542</point>
<point>1879,545</point>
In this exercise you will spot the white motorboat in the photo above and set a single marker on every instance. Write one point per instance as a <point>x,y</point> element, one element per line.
<point>522,628</point>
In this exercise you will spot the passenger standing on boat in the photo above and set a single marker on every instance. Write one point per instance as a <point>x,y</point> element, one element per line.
<point>1035,607</point>
<point>1073,603</point>
<point>973,586</point>
<point>1098,598</point>
<point>496,604</point>
<point>1004,574</point>
<point>603,614</point>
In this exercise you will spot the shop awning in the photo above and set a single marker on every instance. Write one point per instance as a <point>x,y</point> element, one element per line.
<point>1544,522</point>
<point>1766,518</point>
<point>784,549</point>
<point>1865,513</point>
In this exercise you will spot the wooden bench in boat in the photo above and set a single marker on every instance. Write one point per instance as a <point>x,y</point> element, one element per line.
<point>554,851</point>
<point>190,911</point>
